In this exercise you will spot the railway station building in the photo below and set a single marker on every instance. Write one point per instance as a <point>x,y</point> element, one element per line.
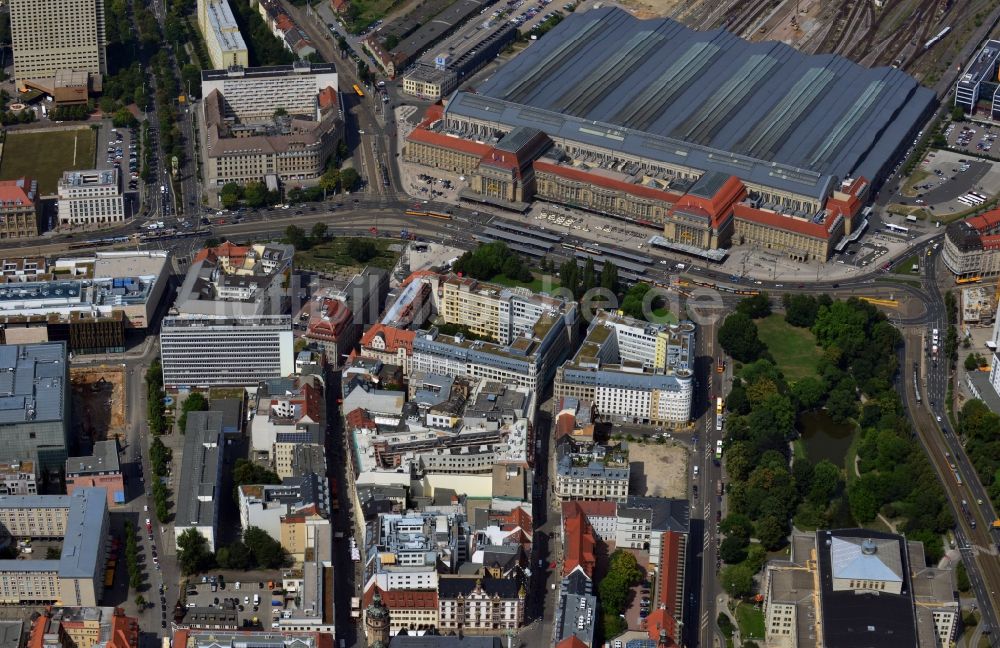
<point>713,139</point>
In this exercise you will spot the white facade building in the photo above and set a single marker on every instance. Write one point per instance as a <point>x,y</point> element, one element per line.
<point>255,93</point>
<point>92,197</point>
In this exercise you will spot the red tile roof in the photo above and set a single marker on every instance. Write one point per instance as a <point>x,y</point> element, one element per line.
<point>604,181</point>
<point>424,136</point>
<point>402,599</point>
<point>13,192</point>
<point>660,619</point>
<point>394,338</point>
<point>780,221</point>
<point>358,418</point>
<point>235,253</point>
<point>849,208</point>
<point>990,242</point>
<point>571,641</point>
<point>599,508</point>
<point>433,113</point>
<point>581,544</point>
<point>985,223</point>
<point>718,207</point>
<point>565,424</point>
<point>331,320</point>
<point>340,6</point>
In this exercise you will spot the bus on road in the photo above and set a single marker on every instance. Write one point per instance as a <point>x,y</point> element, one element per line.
<point>358,90</point>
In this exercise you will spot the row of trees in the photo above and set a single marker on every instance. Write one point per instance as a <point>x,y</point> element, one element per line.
<point>301,240</point>
<point>195,402</point>
<point>492,259</point>
<point>132,557</point>
<point>264,47</point>
<point>254,550</point>
<point>159,457</point>
<point>578,281</point>
<point>154,399</point>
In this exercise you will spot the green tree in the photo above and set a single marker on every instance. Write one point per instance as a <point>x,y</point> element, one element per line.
<point>266,551</point>
<point>349,179</point>
<point>842,405</point>
<point>140,601</point>
<point>195,402</point>
<point>826,483</point>
<point>733,550</point>
<point>609,277</point>
<point>295,236</point>
<point>737,525</point>
<point>800,310</point>
<point>809,392</point>
<point>191,78</point>
<point>330,180</point>
<point>864,506</point>
<point>771,532</point>
<point>247,472</point>
<point>634,300</point>
<point>737,580</point>
<point>971,362</point>
<point>738,338</point>
<point>255,194</point>
<point>318,233</point>
<point>589,278</point>
<point>962,578</point>
<point>361,250</point>
<point>193,555</point>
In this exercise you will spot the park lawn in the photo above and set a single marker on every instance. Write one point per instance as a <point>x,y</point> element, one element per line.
<point>905,267</point>
<point>751,621</point>
<point>793,348</point>
<point>46,155</point>
<point>537,284</point>
<point>664,315</point>
<point>332,256</point>
<point>368,11</point>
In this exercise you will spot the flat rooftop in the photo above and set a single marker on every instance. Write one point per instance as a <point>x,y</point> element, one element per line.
<point>33,382</point>
<point>709,100</point>
<point>200,467</point>
<point>104,460</point>
<point>90,178</point>
<point>269,71</point>
<point>983,65</point>
<point>223,23</point>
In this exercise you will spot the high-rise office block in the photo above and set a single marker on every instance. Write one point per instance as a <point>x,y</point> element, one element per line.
<point>50,36</point>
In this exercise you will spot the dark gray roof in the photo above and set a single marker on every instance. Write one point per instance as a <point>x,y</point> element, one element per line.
<point>32,382</point>
<point>200,466</point>
<point>103,460</point>
<point>860,619</point>
<point>665,514</point>
<point>708,100</point>
<point>709,184</point>
<point>449,588</point>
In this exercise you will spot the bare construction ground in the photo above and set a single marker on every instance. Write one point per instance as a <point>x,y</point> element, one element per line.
<point>98,401</point>
<point>658,470</point>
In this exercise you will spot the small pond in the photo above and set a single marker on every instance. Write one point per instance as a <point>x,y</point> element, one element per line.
<point>824,439</point>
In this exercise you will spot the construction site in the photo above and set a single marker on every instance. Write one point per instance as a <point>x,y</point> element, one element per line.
<point>98,403</point>
<point>921,37</point>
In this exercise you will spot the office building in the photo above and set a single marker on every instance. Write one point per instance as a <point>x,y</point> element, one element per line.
<point>252,93</point>
<point>280,123</point>
<point>632,131</point>
<point>201,470</point>
<point>223,39</point>
<point>971,247</point>
<point>480,605</point>
<point>230,324</point>
<point>979,81</point>
<point>101,469</point>
<point>34,413</point>
<point>844,584</point>
<point>91,197</point>
<point>591,471</point>
<point>83,627</point>
<point>81,521</point>
<point>59,35</point>
<point>19,208</point>
<point>633,371</point>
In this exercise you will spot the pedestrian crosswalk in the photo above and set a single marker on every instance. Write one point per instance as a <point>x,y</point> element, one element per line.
<point>704,619</point>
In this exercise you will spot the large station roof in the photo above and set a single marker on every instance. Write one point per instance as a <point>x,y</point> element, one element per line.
<point>705,99</point>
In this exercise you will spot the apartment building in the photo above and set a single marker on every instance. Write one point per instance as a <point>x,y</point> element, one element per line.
<point>388,344</point>
<point>591,471</point>
<point>633,371</point>
<point>19,208</point>
<point>230,323</point>
<point>201,469</point>
<point>868,582</point>
<point>222,36</point>
<point>410,610</point>
<point>83,627</point>
<point>34,425</point>
<point>100,469</point>
<point>266,505</point>
<point>289,412</point>
<point>337,315</point>
<point>91,197</point>
<point>282,123</point>
<point>81,521</point>
<point>60,35</point>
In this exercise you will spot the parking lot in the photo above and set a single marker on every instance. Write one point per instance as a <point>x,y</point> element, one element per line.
<point>251,600</point>
<point>121,151</point>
